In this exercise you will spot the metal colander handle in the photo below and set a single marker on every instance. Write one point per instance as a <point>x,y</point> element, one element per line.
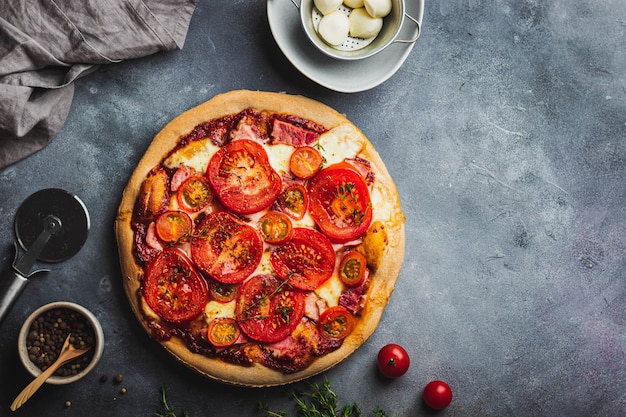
<point>419,30</point>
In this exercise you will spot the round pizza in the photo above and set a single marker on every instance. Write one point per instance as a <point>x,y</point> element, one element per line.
<point>260,238</point>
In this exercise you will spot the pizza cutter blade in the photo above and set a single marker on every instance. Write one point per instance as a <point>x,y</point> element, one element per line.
<point>51,226</point>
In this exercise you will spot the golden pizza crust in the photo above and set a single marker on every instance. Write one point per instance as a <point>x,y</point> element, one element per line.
<point>383,278</point>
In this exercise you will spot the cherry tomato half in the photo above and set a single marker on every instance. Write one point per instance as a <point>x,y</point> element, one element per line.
<point>173,225</point>
<point>172,288</point>
<point>194,194</point>
<point>340,202</point>
<point>221,292</point>
<point>223,332</point>
<point>393,360</point>
<point>241,175</point>
<point>294,201</point>
<point>352,268</point>
<point>437,395</point>
<point>275,227</point>
<point>336,323</point>
<point>305,161</point>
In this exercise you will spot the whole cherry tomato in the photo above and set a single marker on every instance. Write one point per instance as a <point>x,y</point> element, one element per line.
<point>393,360</point>
<point>437,395</point>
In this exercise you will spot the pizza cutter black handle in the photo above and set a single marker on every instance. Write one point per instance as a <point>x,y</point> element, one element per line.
<point>14,279</point>
<point>11,285</point>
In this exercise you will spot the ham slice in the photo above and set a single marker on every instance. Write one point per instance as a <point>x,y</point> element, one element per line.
<point>252,125</point>
<point>180,176</point>
<point>290,134</point>
<point>314,306</point>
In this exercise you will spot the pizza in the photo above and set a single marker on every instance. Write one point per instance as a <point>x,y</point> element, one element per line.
<point>260,238</point>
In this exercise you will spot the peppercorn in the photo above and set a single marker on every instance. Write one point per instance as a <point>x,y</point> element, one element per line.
<point>48,332</point>
<point>119,378</point>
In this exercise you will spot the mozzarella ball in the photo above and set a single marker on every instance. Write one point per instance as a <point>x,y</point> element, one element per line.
<point>362,25</point>
<point>377,8</point>
<point>355,4</point>
<point>327,6</point>
<point>334,28</point>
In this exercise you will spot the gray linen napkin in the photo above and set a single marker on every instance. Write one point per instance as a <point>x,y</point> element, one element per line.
<point>47,44</point>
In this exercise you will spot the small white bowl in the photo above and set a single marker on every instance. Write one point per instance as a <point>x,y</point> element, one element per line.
<point>356,48</point>
<point>97,348</point>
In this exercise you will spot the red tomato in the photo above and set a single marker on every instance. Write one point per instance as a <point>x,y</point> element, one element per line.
<point>393,360</point>
<point>172,288</point>
<point>336,323</point>
<point>173,225</point>
<point>225,248</point>
<point>352,268</point>
<point>194,194</point>
<point>275,227</point>
<point>305,161</point>
<point>340,202</point>
<point>242,177</point>
<point>223,332</point>
<point>307,260</point>
<point>267,309</point>
<point>294,201</point>
<point>221,292</point>
<point>437,395</point>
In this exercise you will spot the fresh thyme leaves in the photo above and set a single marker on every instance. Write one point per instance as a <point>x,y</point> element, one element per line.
<point>320,401</point>
<point>285,312</point>
<point>169,412</point>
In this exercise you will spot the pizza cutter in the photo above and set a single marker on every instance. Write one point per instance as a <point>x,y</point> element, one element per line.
<point>50,226</point>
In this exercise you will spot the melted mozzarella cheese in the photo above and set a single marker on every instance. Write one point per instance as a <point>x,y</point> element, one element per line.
<point>196,155</point>
<point>340,143</point>
<point>215,309</point>
<point>278,156</point>
<point>384,207</point>
<point>331,290</point>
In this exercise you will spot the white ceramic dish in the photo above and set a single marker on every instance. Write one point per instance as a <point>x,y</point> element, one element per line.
<point>98,348</point>
<point>346,76</point>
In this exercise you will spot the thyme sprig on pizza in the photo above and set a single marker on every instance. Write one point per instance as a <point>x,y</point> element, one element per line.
<point>261,236</point>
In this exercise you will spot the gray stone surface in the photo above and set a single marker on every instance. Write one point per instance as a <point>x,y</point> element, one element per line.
<point>505,131</point>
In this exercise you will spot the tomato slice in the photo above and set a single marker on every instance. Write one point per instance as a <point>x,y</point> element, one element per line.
<point>294,201</point>
<point>242,177</point>
<point>225,248</point>
<point>340,202</point>
<point>173,225</point>
<point>275,227</point>
<point>352,268</point>
<point>173,288</point>
<point>221,292</point>
<point>336,323</point>
<point>305,161</point>
<point>194,194</point>
<point>307,260</point>
<point>268,309</point>
<point>223,332</point>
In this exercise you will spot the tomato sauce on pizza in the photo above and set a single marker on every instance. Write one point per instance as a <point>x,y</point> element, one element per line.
<point>257,239</point>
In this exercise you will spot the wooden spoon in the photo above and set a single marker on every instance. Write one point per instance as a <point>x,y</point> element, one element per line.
<point>68,352</point>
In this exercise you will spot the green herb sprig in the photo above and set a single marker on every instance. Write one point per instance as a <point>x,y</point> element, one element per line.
<point>169,412</point>
<point>321,401</point>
